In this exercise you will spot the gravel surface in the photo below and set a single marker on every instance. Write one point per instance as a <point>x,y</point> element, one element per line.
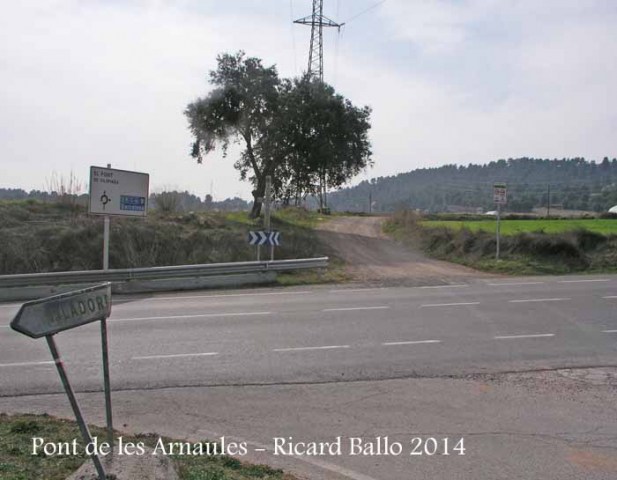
<point>372,257</point>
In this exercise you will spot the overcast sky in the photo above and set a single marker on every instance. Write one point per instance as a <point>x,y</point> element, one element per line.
<point>86,82</point>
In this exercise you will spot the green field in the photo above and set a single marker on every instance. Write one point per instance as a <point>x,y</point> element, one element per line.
<point>512,227</point>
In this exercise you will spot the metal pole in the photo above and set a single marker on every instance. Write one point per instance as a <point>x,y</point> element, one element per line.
<point>108,414</point>
<point>106,239</point>
<point>498,232</point>
<point>106,243</point>
<point>268,212</point>
<point>85,432</point>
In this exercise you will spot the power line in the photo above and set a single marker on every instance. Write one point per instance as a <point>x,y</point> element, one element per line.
<point>293,37</point>
<point>364,11</point>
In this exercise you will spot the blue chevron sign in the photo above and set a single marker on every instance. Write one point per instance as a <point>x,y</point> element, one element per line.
<point>264,238</point>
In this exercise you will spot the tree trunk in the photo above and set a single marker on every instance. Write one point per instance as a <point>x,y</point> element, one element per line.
<point>258,196</point>
<point>257,201</point>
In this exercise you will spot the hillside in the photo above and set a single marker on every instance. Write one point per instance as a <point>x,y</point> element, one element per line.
<point>45,237</point>
<point>573,183</point>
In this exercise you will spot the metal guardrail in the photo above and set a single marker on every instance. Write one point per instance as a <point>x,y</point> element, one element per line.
<point>156,273</point>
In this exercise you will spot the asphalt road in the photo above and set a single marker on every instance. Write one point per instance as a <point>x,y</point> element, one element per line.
<point>318,362</point>
<point>322,334</point>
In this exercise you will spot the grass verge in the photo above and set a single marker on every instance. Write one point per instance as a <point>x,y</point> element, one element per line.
<point>522,253</point>
<point>41,237</point>
<point>512,227</point>
<point>17,462</point>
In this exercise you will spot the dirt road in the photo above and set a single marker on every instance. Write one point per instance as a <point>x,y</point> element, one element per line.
<point>372,257</point>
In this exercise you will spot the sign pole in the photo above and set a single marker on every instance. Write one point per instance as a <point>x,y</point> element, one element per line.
<point>498,229</point>
<point>85,432</point>
<point>267,213</point>
<point>107,383</point>
<point>106,238</point>
<point>106,243</point>
<point>500,197</point>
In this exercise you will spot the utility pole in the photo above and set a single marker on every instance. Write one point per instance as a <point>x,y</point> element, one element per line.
<point>317,21</point>
<point>548,202</point>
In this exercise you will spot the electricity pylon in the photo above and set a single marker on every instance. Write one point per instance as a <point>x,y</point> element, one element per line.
<point>317,21</point>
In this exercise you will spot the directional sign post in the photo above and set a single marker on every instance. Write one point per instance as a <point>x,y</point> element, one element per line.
<point>48,316</point>
<point>117,192</point>
<point>500,197</point>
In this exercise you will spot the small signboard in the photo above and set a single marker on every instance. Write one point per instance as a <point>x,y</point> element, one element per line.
<point>500,196</point>
<point>118,192</point>
<point>264,238</point>
<point>48,316</point>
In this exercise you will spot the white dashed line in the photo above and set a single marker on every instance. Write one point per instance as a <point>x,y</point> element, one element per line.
<point>609,331</point>
<point>201,315</point>
<point>536,335</point>
<point>345,290</point>
<point>611,296</point>
<point>529,300</point>
<point>177,355</point>
<point>513,284</point>
<point>222,295</point>
<point>449,304</point>
<point>299,349</point>
<point>25,364</point>
<point>445,286</point>
<point>585,281</point>
<point>11,306</point>
<point>416,342</point>
<point>350,309</point>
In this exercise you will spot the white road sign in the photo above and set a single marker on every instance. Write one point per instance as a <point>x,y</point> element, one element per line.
<point>500,196</point>
<point>48,316</point>
<point>118,192</point>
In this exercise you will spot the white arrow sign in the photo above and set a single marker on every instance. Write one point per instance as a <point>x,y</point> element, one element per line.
<point>264,238</point>
<point>51,315</point>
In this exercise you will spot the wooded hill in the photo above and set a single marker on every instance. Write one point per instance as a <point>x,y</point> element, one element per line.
<point>573,183</point>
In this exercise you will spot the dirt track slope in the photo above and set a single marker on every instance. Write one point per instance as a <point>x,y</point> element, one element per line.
<point>372,257</point>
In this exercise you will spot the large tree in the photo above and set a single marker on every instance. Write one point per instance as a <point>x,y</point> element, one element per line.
<point>324,135</point>
<point>299,131</point>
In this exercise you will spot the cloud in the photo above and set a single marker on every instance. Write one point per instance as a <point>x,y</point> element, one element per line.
<point>94,82</point>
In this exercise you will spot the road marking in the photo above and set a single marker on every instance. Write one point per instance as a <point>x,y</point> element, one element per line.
<point>528,300</point>
<point>445,286</point>
<point>416,342</point>
<point>535,335</point>
<point>177,355</point>
<point>298,349</point>
<point>201,315</point>
<point>304,292</point>
<point>611,296</point>
<point>609,331</point>
<point>345,290</point>
<point>349,309</point>
<point>11,306</point>
<point>506,284</point>
<point>4,326</point>
<point>585,281</point>
<point>449,304</point>
<point>25,364</point>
